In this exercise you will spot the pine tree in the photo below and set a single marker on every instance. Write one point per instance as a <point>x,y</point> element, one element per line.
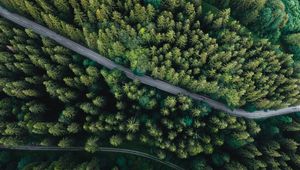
<point>91,144</point>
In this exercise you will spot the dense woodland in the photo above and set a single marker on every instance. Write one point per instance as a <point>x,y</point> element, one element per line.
<point>180,42</point>
<point>73,161</point>
<point>51,96</point>
<point>276,20</point>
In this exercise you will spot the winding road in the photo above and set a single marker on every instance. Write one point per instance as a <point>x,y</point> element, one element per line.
<point>43,31</point>
<point>101,149</point>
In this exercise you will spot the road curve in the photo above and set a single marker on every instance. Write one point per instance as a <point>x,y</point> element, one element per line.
<point>39,29</point>
<point>101,149</point>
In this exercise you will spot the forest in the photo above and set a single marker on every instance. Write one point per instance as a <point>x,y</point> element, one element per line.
<point>244,53</point>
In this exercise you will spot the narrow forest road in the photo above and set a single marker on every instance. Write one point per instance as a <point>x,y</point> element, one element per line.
<point>100,149</point>
<point>41,30</point>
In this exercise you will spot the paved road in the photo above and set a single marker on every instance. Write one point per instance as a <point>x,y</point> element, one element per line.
<point>101,149</point>
<point>143,79</point>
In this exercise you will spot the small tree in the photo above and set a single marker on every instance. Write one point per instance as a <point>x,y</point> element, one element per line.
<point>91,144</point>
<point>115,140</point>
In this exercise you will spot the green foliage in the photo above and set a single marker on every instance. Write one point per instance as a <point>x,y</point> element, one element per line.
<point>51,96</point>
<point>91,144</point>
<point>220,158</point>
<point>292,41</point>
<point>292,8</point>
<point>155,3</point>
<point>76,161</point>
<point>235,143</point>
<point>275,20</point>
<point>204,52</point>
<point>115,140</point>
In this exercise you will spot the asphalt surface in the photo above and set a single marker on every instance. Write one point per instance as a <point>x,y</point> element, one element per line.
<point>101,149</point>
<point>43,31</point>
